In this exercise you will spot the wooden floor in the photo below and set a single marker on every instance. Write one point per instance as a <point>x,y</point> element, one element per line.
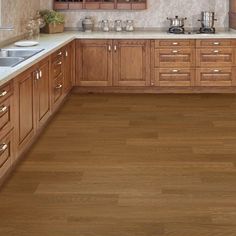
<point>128,165</point>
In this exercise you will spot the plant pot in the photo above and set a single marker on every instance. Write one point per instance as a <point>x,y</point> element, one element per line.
<point>53,28</point>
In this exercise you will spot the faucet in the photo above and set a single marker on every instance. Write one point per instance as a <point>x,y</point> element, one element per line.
<point>7,28</point>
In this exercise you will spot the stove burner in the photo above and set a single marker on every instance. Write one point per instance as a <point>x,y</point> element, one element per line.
<point>207,31</point>
<point>176,30</point>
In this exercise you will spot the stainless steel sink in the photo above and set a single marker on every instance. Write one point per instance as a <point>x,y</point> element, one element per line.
<point>10,61</point>
<point>12,57</point>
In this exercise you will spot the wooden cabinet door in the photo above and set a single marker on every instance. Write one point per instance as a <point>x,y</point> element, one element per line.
<point>69,66</point>
<point>25,120</point>
<point>42,92</point>
<point>131,62</point>
<point>94,62</point>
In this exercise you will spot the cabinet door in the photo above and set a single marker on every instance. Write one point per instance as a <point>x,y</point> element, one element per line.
<point>94,62</point>
<point>42,93</point>
<point>69,67</point>
<point>131,62</point>
<point>25,122</point>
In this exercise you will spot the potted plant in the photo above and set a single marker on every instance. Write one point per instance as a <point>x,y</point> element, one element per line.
<point>54,21</point>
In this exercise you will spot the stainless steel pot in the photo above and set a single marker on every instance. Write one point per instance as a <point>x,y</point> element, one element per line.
<point>208,19</point>
<point>176,22</point>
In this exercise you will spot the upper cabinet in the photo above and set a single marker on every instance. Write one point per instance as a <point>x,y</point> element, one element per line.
<point>100,4</point>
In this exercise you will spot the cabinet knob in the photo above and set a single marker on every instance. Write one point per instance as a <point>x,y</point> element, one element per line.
<point>3,109</point>
<point>59,53</point>
<point>175,51</point>
<point>216,51</point>
<point>59,86</point>
<point>59,63</point>
<point>216,71</point>
<point>175,71</point>
<point>175,43</point>
<point>216,43</point>
<point>3,147</point>
<point>3,93</point>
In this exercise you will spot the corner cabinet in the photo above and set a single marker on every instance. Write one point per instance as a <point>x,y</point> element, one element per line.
<point>113,63</point>
<point>100,4</point>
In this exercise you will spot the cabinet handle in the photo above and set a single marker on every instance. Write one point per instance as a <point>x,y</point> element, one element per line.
<point>40,74</point>
<point>175,51</point>
<point>66,53</point>
<point>216,71</point>
<point>3,109</point>
<point>115,48</point>
<point>216,51</point>
<point>175,71</point>
<point>37,75</point>
<point>3,93</point>
<point>3,147</point>
<point>59,86</point>
<point>109,48</point>
<point>152,84</point>
<point>175,43</point>
<point>59,54</point>
<point>59,63</point>
<point>216,43</point>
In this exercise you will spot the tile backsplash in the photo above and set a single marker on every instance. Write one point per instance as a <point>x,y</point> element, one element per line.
<point>16,13</point>
<point>157,12</point>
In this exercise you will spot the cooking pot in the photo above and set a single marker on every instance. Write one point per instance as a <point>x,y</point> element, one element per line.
<point>207,19</point>
<point>176,22</point>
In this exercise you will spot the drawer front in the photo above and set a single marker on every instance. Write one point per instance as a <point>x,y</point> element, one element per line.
<point>215,43</point>
<point>174,77</point>
<point>6,116</point>
<point>57,89</point>
<point>215,76</point>
<point>221,57</point>
<point>175,58</point>
<point>6,153</point>
<point>5,91</point>
<point>57,67</point>
<point>174,43</point>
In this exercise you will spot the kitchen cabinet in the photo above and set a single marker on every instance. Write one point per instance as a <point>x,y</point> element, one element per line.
<point>100,4</point>
<point>113,62</point>
<point>131,62</point>
<point>94,62</point>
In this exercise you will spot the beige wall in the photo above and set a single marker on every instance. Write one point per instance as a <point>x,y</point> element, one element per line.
<point>155,15</point>
<point>16,13</point>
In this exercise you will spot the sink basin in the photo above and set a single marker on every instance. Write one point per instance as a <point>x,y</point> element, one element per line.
<point>10,61</point>
<point>11,57</point>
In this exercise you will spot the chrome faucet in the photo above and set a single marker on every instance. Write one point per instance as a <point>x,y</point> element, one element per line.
<point>7,28</point>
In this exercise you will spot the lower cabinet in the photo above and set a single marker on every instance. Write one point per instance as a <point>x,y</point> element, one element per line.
<point>113,63</point>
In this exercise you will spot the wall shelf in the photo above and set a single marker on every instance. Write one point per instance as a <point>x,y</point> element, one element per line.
<point>100,4</point>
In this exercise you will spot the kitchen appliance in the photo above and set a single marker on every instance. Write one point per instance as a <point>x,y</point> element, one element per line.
<point>207,22</point>
<point>177,25</point>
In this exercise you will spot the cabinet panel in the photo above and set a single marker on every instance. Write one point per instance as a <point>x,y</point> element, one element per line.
<point>57,93</point>
<point>174,43</point>
<point>215,43</point>
<point>94,63</point>
<point>221,57</point>
<point>216,76</point>
<point>131,62</point>
<point>174,77</point>
<point>180,57</point>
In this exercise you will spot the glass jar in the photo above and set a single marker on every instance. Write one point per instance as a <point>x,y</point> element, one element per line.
<point>118,25</point>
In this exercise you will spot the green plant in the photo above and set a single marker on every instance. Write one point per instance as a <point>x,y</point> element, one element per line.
<point>52,17</point>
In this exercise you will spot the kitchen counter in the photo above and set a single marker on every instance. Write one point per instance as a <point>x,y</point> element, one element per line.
<point>51,43</point>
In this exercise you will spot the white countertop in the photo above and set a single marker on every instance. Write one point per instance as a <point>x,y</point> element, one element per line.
<point>51,43</point>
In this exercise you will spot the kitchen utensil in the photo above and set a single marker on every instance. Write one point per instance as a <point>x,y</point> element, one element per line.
<point>176,22</point>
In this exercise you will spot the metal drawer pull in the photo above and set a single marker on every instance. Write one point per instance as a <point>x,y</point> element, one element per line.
<point>3,93</point>
<point>216,71</point>
<point>37,75</point>
<point>3,109</point>
<point>115,48</point>
<point>59,54</point>
<point>216,43</point>
<point>66,53</point>
<point>59,63</point>
<point>40,74</point>
<point>3,147</point>
<point>59,86</point>
<point>175,71</point>
<point>175,51</point>
<point>175,43</point>
<point>109,48</point>
<point>216,51</point>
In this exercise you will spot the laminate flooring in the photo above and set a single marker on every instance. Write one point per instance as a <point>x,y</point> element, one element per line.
<point>128,165</point>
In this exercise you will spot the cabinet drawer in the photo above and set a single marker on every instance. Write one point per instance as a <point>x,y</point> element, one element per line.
<point>174,77</point>
<point>57,89</point>
<point>5,91</point>
<point>215,57</point>
<point>175,57</point>
<point>57,67</point>
<point>6,153</point>
<point>215,43</point>
<point>6,116</point>
<point>174,43</point>
<point>215,76</point>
